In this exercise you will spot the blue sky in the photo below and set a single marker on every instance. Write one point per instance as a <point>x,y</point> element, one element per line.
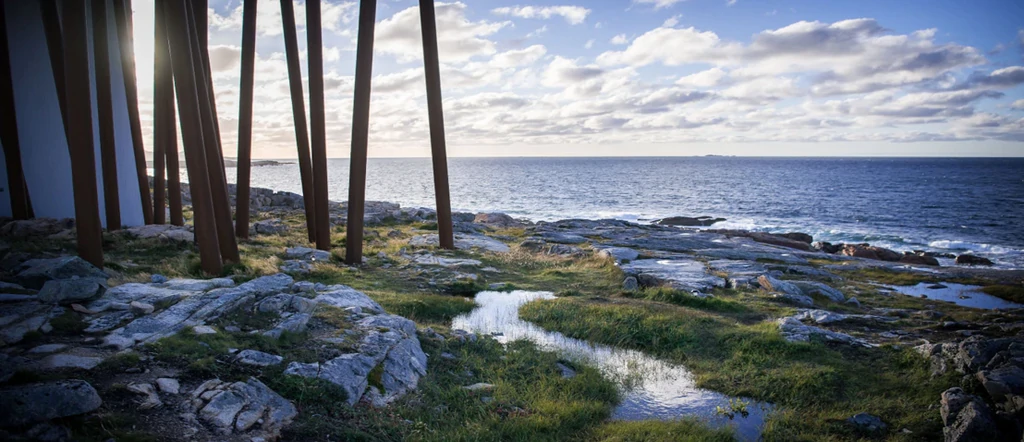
<point>652,77</point>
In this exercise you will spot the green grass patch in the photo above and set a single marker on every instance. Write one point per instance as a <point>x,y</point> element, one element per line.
<point>683,430</point>
<point>1007,292</point>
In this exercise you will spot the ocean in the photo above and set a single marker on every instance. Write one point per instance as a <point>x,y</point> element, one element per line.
<point>950,205</point>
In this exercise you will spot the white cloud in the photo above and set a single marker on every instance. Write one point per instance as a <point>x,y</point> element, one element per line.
<point>519,57</point>
<point>620,39</point>
<point>458,38</point>
<point>589,44</point>
<point>658,4</point>
<point>573,15</point>
<point>708,78</point>
<point>1018,105</point>
<point>671,21</point>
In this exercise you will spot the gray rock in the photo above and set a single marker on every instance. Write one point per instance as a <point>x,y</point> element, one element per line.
<point>462,242</point>
<point>141,308</point>
<point>48,348</point>
<point>684,274</point>
<point>158,279</point>
<point>269,227</point>
<point>343,296</point>
<point>293,324</point>
<point>152,398</point>
<point>108,321</point>
<point>168,385</point>
<point>62,361</point>
<point>1003,383</point>
<point>307,254</point>
<point>7,297</point>
<point>266,285</point>
<point>66,291</point>
<point>966,418</point>
<point>257,358</point>
<point>567,373</point>
<point>630,284</point>
<point>480,387</point>
<point>619,254</point>
<point>26,404</point>
<point>779,286</point>
<point>867,423</point>
<point>496,220</point>
<point>296,266</point>
<point>204,330</point>
<point>198,284</point>
<point>36,272</point>
<point>563,238</point>
<point>811,288</point>
<point>795,331</point>
<point>533,245</point>
<point>853,301</point>
<point>242,407</point>
<point>167,232</point>
<point>434,260</point>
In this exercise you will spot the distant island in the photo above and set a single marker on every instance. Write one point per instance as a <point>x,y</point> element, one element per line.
<point>229,162</point>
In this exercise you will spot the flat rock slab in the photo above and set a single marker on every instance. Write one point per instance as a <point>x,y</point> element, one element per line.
<point>434,260</point>
<point>683,274</point>
<point>35,272</point>
<point>307,254</point>
<point>343,297</point>
<point>249,408</point>
<point>795,331</point>
<point>26,404</point>
<point>619,253</point>
<point>64,361</point>
<point>257,358</point>
<point>462,242</point>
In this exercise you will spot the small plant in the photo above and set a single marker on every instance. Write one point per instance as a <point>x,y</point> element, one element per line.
<point>736,406</point>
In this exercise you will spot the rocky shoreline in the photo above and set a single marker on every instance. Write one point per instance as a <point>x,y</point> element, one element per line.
<point>377,358</point>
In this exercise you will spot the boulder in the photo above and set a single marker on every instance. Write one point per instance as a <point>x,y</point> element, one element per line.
<point>496,220</point>
<point>686,221</point>
<point>966,418</point>
<point>1003,384</point>
<point>683,274</point>
<point>249,408</point>
<point>343,297</point>
<point>35,272</point>
<point>26,404</point>
<point>152,399</point>
<point>630,284</point>
<point>565,250</point>
<point>462,242</point>
<point>562,238</point>
<point>973,260</point>
<point>168,385</point>
<point>779,286</point>
<point>167,232</point>
<point>533,245</point>
<point>867,423</point>
<point>36,227</point>
<point>307,254</point>
<point>296,267</point>
<point>766,238</point>
<point>915,259</point>
<point>811,288</point>
<point>619,253</point>
<point>268,227</point>
<point>793,330</point>
<point>826,247</point>
<point>67,291</point>
<point>870,252</point>
<point>257,358</point>
<point>798,236</point>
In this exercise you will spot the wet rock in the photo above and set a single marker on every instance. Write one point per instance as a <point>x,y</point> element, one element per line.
<point>257,358</point>
<point>866,423</point>
<point>870,252</point>
<point>35,272</point>
<point>914,259</point>
<point>26,404</point>
<point>168,385</point>
<point>152,399</point>
<point>630,284</point>
<point>249,408</point>
<point>66,291</point>
<point>966,418</point>
<point>619,254</point>
<point>686,221</point>
<point>973,260</point>
<point>307,254</point>
<point>826,247</point>
<point>496,220</point>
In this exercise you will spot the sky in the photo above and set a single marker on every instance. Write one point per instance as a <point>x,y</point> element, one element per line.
<point>644,77</point>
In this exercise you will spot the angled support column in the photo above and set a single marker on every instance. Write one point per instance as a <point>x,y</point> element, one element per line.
<point>360,133</point>
<point>55,46</point>
<point>438,150</point>
<point>291,49</point>
<point>20,205</point>
<point>186,81</point>
<point>126,38</point>
<point>83,160</point>
<point>245,118</point>
<point>317,125</point>
<point>105,114</point>
<point>163,117</point>
<point>211,135</point>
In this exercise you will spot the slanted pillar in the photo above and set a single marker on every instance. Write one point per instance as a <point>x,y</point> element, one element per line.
<point>317,123</point>
<point>291,49</point>
<point>438,150</point>
<point>245,118</point>
<point>126,38</point>
<point>360,133</point>
<point>105,114</point>
<point>21,207</point>
<point>79,130</point>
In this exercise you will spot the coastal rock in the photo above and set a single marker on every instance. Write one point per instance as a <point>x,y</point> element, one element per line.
<point>686,221</point>
<point>779,286</point>
<point>915,259</point>
<point>66,291</point>
<point>462,242</point>
<point>798,236</point>
<point>766,238</point>
<point>533,245</point>
<point>867,423</point>
<point>26,404</point>
<point>683,274</point>
<point>563,238</point>
<point>811,288</point>
<point>268,227</point>
<point>249,408</point>
<point>973,260</point>
<point>167,232</point>
<point>496,220</point>
<point>36,227</point>
<point>869,252</point>
<point>257,358</point>
<point>620,254</point>
<point>307,254</point>
<point>795,331</point>
<point>565,250</point>
<point>826,247</point>
<point>35,272</point>
<point>966,418</point>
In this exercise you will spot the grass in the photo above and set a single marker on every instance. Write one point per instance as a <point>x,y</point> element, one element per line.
<point>819,386</point>
<point>684,430</point>
<point>1007,292</point>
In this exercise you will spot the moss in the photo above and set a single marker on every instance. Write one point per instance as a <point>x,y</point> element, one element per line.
<point>683,430</point>
<point>464,288</point>
<point>67,324</point>
<point>120,362</point>
<point>375,378</point>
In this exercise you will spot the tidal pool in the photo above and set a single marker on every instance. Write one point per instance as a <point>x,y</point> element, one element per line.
<point>960,294</point>
<point>651,388</point>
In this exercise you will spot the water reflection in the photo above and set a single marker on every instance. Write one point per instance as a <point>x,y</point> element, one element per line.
<point>960,294</point>
<point>652,389</point>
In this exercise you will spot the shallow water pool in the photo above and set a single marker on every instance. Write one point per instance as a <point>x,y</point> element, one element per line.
<point>651,388</point>
<point>960,294</point>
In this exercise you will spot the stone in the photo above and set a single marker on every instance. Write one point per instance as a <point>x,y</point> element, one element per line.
<point>157,279</point>
<point>620,254</point>
<point>826,247</point>
<point>779,286</point>
<point>166,232</point>
<point>533,245</point>
<point>258,358</point>
<point>630,284</point>
<point>343,296</point>
<point>500,287</point>
<point>462,242</point>
<point>966,418</point>
<point>562,238</point>
<point>48,348</point>
<point>152,399</point>
<point>141,308</point>
<point>683,274</point>
<point>798,236</point>
<point>25,404</point>
<point>853,301</point>
<point>685,221</point>
<point>66,291</point>
<point>811,288</point>
<point>168,385</point>
<point>307,254</point>
<point>7,297</point>
<point>565,250</point>
<point>434,260</point>
<point>35,272</point>
<point>973,260</point>
<point>296,267</point>
<point>566,372</point>
<point>869,252</point>
<point>12,287</point>
<point>805,301</point>
<point>62,361</point>
<point>198,284</point>
<point>496,220</point>
<point>793,330</point>
<point>765,238</point>
<point>867,423</point>
<point>914,259</point>
<point>268,227</point>
<point>480,387</point>
<point>293,324</point>
<point>36,227</point>
<point>1002,383</point>
<point>266,285</point>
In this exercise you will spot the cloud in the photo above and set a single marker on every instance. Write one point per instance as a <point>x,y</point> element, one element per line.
<point>519,57</point>
<point>1001,78</point>
<point>658,4</point>
<point>671,21</point>
<point>1018,105</point>
<point>573,15</point>
<point>224,58</point>
<point>334,17</point>
<point>620,39</point>
<point>708,78</point>
<point>458,39</point>
<point>589,44</point>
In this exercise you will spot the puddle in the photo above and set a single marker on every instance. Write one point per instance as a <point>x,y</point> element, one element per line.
<point>651,388</point>
<point>960,294</point>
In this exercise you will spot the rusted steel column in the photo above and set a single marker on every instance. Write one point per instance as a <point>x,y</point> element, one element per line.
<point>105,114</point>
<point>83,160</point>
<point>211,139</point>
<point>245,118</point>
<point>291,49</point>
<point>360,133</point>
<point>55,46</point>
<point>163,117</point>
<point>317,125</point>
<point>173,167</point>
<point>20,206</point>
<point>438,150</point>
<point>126,37</point>
<point>185,82</point>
